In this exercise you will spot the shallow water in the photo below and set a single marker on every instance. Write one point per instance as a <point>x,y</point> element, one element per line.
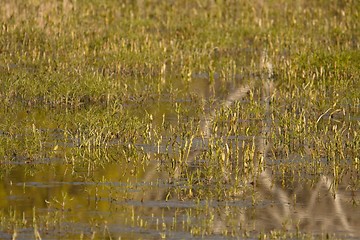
<point>117,204</point>
<point>46,192</point>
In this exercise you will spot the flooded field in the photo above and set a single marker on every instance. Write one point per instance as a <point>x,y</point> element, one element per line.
<point>179,120</point>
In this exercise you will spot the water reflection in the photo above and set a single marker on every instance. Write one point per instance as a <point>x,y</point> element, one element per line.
<point>130,206</point>
<point>138,201</point>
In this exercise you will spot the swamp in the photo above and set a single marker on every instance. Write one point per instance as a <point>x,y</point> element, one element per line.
<point>207,119</point>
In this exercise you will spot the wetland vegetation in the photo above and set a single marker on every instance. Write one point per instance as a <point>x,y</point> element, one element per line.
<point>179,119</point>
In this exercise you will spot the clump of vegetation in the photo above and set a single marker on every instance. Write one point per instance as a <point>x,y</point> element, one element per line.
<point>124,108</point>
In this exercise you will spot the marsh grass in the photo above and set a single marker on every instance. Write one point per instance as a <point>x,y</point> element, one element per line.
<point>171,99</point>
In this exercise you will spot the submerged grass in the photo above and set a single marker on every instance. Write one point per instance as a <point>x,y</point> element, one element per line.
<point>148,86</point>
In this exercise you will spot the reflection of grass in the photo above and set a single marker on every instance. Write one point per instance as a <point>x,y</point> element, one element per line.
<point>92,83</point>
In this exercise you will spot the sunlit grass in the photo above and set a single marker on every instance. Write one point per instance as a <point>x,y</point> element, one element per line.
<point>94,83</point>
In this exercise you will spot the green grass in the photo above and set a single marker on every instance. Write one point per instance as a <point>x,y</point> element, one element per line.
<point>109,91</point>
